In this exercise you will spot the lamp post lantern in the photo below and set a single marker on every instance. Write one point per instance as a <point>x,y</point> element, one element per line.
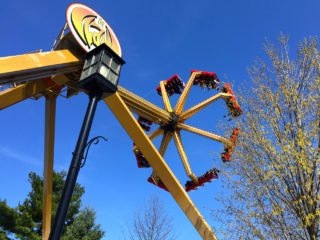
<point>100,75</point>
<point>101,70</point>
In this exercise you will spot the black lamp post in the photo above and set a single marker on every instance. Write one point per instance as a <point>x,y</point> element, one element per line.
<point>100,75</point>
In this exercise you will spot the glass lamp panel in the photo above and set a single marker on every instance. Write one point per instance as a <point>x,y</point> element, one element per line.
<point>113,78</point>
<point>93,69</point>
<point>95,59</point>
<point>87,62</point>
<point>106,59</point>
<point>85,74</point>
<point>104,70</point>
<point>115,66</point>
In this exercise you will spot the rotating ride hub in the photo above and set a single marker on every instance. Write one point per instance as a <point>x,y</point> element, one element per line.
<point>173,127</point>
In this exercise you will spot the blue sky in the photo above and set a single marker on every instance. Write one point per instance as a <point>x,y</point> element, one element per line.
<point>158,39</point>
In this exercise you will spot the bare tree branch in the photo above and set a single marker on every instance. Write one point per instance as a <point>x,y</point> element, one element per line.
<point>151,222</point>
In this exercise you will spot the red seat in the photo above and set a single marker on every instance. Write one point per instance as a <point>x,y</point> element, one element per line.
<point>225,156</point>
<point>145,123</point>
<point>232,103</point>
<point>173,85</point>
<point>207,177</point>
<point>141,160</point>
<point>206,79</point>
<point>159,183</point>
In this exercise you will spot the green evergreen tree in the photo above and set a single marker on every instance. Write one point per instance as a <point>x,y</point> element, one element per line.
<point>25,221</point>
<point>83,227</point>
<point>8,220</point>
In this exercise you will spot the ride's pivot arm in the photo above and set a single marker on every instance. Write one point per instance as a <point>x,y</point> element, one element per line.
<point>132,127</point>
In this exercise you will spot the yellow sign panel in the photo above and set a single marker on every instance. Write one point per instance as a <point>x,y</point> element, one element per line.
<point>89,29</point>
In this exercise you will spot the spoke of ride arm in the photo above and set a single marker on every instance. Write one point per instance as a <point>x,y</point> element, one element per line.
<point>165,98</point>
<point>162,149</point>
<point>164,143</point>
<point>204,133</point>
<point>177,140</point>
<point>179,106</point>
<point>156,133</point>
<point>188,113</point>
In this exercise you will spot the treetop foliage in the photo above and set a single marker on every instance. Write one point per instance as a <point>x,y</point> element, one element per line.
<point>274,175</point>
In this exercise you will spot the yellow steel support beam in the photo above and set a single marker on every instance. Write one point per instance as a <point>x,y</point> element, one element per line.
<point>144,108</point>
<point>164,143</point>
<point>188,113</point>
<point>129,123</point>
<point>27,90</point>
<point>165,98</point>
<point>204,133</point>
<point>156,133</point>
<point>137,104</point>
<point>140,106</point>
<point>183,156</point>
<point>162,150</point>
<point>179,106</point>
<point>37,65</point>
<point>17,94</point>
<point>50,112</point>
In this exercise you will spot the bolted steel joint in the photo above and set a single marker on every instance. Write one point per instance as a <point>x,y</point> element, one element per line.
<point>172,125</point>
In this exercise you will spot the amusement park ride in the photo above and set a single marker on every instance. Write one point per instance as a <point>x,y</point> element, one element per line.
<point>86,56</point>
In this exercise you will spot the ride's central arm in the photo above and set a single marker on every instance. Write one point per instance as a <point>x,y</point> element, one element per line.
<point>144,108</point>
<point>132,127</point>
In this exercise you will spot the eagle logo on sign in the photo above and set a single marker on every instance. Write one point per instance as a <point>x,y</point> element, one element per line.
<point>90,29</point>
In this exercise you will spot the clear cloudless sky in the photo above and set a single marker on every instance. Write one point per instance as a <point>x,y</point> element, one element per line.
<point>159,39</point>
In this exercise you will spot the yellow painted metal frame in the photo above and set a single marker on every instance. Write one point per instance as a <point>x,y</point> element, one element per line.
<point>27,90</point>
<point>50,112</point>
<point>117,104</point>
<point>162,149</point>
<point>37,65</point>
<point>32,68</point>
<point>132,127</point>
<point>144,108</point>
<point>165,97</point>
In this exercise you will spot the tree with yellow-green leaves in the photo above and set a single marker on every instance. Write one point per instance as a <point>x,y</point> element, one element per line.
<point>272,182</point>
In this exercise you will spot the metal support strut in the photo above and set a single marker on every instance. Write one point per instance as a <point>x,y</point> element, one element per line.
<point>50,113</point>
<point>74,168</point>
